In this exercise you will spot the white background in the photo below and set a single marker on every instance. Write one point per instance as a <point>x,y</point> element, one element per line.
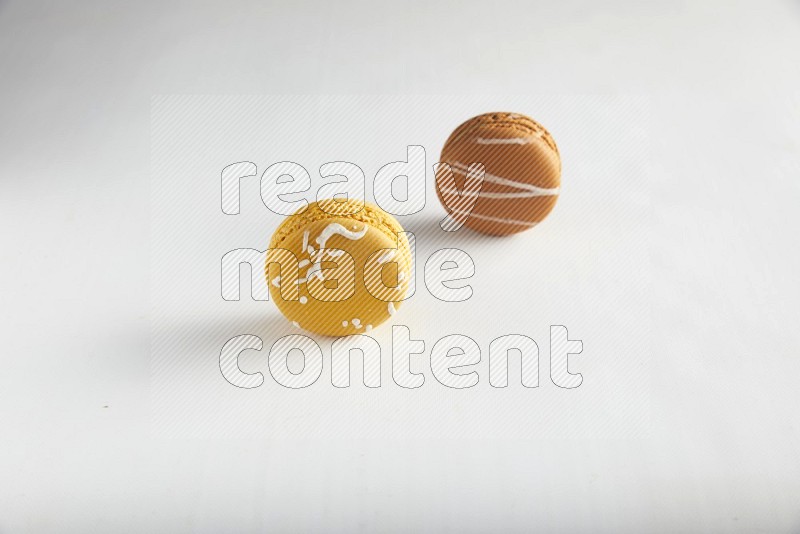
<point>79,450</point>
<point>587,268</point>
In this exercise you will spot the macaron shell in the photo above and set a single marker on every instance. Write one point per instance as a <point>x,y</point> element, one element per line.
<point>522,166</point>
<point>360,312</point>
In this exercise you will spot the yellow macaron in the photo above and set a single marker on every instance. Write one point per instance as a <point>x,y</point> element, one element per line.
<point>338,268</point>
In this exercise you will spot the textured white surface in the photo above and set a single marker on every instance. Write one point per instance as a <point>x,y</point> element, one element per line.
<point>721,453</point>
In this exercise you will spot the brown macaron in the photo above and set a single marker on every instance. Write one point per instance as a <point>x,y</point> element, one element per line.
<point>522,173</point>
